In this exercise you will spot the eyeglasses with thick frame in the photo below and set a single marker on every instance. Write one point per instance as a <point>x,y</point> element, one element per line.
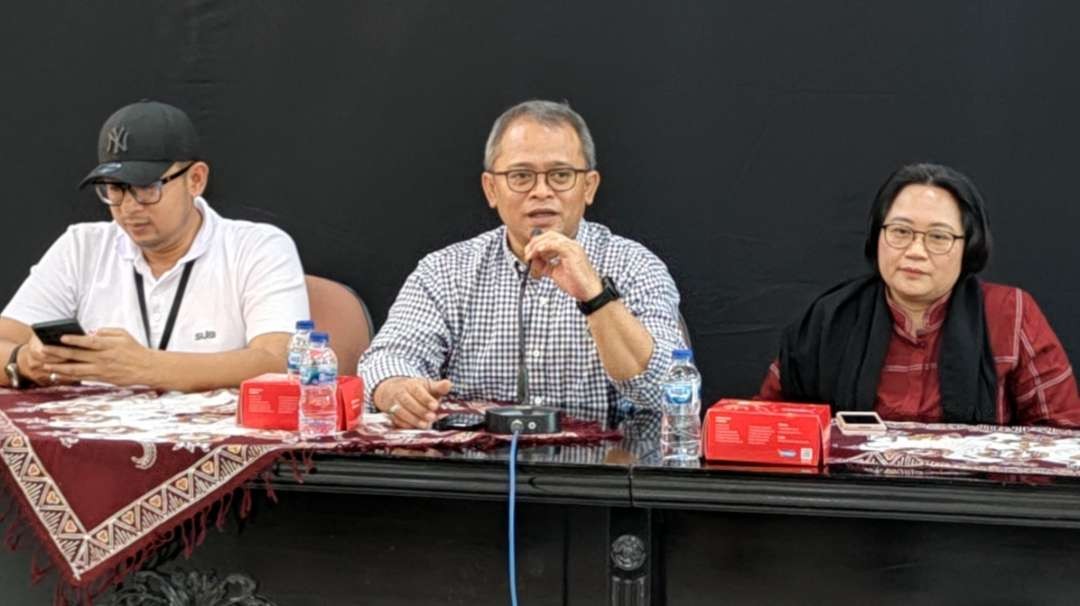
<point>522,180</point>
<point>112,193</point>
<point>936,241</point>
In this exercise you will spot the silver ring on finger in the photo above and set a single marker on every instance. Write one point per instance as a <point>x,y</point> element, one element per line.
<point>54,378</point>
<point>392,411</point>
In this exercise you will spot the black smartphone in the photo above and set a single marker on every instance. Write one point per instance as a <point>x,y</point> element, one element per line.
<point>50,332</point>
<point>459,421</point>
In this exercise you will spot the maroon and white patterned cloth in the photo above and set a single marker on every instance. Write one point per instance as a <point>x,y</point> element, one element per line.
<point>104,475</point>
<point>934,447</point>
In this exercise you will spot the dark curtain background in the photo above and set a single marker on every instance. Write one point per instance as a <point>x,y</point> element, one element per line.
<point>740,141</point>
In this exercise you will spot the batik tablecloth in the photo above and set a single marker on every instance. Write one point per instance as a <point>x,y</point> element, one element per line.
<point>963,448</point>
<point>104,475</point>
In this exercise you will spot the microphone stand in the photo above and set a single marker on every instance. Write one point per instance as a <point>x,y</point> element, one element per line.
<point>523,370</point>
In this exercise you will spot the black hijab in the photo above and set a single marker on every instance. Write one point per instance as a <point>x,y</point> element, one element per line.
<point>836,351</point>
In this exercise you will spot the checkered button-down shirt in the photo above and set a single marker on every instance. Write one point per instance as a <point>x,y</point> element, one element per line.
<point>457,317</point>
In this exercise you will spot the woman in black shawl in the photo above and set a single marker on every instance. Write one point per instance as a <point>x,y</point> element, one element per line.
<point>922,338</point>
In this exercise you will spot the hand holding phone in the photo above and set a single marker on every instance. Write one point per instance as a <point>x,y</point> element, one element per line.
<point>32,358</point>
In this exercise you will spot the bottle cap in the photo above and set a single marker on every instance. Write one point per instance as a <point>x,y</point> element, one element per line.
<point>305,325</point>
<point>320,337</point>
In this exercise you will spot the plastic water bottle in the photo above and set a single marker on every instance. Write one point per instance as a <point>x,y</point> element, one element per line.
<point>680,429</point>
<point>298,344</point>
<point>318,388</point>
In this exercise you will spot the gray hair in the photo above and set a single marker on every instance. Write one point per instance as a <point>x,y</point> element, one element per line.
<point>548,113</point>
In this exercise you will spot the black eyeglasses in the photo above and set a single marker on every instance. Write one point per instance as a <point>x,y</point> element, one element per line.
<point>522,180</point>
<point>936,241</point>
<point>112,193</point>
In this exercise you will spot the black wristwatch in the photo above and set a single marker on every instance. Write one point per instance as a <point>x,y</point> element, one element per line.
<point>609,294</point>
<point>12,367</point>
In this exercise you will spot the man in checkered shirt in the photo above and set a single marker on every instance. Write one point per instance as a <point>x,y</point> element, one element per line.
<point>599,314</point>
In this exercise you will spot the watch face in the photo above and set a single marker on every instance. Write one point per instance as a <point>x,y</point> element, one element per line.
<point>609,284</point>
<point>12,371</point>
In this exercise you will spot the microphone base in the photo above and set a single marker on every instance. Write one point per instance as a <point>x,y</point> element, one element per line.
<point>523,419</point>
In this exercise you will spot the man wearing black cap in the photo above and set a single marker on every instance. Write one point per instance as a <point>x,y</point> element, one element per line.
<point>172,295</point>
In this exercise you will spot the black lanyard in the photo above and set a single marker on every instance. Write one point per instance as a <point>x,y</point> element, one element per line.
<point>179,296</point>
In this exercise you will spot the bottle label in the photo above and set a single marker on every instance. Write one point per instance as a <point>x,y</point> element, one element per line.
<point>309,375</point>
<point>679,393</point>
<point>327,374</point>
<point>294,360</point>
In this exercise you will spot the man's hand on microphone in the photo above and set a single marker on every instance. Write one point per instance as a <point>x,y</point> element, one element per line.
<point>563,260</point>
<point>410,402</point>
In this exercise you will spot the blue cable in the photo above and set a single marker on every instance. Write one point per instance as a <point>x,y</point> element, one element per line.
<point>510,526</point>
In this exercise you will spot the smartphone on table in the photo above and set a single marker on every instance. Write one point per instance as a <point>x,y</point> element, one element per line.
<point>860,423</point>
<point>459,421</point>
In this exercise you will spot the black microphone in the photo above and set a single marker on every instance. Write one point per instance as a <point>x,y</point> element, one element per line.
<point>523,369</point>
<point>523,418</point>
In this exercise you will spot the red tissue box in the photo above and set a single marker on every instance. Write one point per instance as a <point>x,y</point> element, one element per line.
<point>767,432</point>
<point>271,401</point>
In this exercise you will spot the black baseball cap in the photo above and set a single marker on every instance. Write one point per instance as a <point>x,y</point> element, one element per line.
<point>139,142</point>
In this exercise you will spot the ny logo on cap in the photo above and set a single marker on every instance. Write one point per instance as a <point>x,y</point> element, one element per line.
<point>118,136</point>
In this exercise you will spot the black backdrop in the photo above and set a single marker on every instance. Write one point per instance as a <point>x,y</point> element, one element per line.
<point>740,141</point>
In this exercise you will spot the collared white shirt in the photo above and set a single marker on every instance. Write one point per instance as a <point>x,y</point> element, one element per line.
<point>246,281</point>
<point>456,317</point>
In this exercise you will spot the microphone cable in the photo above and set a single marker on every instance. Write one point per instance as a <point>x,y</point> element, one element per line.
<point>512,558</point>
<point>517,427</point>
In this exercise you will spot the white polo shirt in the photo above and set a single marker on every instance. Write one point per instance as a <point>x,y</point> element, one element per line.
<point>246,281</point>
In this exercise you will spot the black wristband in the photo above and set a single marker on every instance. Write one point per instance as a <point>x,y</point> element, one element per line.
<point>609,294</point>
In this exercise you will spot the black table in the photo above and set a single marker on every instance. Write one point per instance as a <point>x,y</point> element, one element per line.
<point>610,525</point>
